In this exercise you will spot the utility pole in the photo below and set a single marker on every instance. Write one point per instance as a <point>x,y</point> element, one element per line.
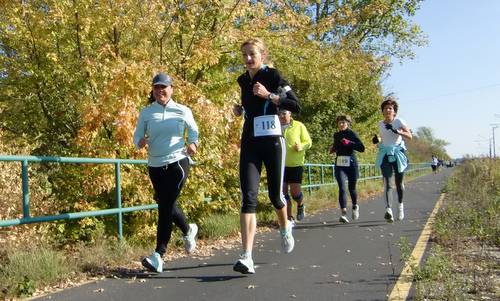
<point>494,147</point>
<point>491,153</point>
<point>493,127</point>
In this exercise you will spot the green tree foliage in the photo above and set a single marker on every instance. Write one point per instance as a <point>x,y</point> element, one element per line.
<point>427,134</point>
<point>335,55</point>
<point>74,75</point>
<point>425,144</point>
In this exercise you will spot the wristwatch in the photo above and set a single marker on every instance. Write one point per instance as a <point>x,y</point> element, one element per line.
<point>271,96</point>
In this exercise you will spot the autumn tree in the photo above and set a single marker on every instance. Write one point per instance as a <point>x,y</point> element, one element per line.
<point>74,75</point>
<point>425,144</point>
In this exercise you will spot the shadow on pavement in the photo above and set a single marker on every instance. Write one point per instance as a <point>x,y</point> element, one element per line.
<point>202,278</point>
<point>333,224</point>
<point>141,274</point>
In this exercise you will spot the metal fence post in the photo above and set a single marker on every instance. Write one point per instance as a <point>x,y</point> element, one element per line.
<point>118,200</point>
<point>309,189</point>
<point>322,175</point>
<point>26,189</point>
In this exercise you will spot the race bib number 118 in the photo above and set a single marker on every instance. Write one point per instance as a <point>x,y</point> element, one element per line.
<point>266,125</point>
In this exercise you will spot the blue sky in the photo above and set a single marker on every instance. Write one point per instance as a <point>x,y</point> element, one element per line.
<point>453,85</point>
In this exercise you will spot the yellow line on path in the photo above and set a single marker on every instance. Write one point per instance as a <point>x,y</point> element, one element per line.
<point>402,287</point>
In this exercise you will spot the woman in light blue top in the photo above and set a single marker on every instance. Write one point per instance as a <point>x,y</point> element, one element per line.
<point>391,157</point>
<point>161,126</point>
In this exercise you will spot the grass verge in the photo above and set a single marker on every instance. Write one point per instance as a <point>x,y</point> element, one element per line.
<point>464,260</point>
<point>25,271</point>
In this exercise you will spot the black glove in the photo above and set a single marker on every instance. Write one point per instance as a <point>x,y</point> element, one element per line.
<point>390,128</point>
<point>375,139</point>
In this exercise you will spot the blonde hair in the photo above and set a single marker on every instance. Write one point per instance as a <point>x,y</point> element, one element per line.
<point>261,46</point>
<point>256,42</point>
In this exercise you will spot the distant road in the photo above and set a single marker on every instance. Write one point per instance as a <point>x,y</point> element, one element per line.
<point>357,261</point>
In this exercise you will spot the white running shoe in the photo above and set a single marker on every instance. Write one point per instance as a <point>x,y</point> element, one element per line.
<point>287,241</point>
<point>401,212</point>
<point>343,219</point>
<point>153,262</point>
<point>244,265</point>
<point>355,212</point>
<point>190,238</point>
<point>388,215</point>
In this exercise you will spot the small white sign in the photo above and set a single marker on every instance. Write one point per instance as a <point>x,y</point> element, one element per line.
<point>266,125</point>
<point>344,161</point>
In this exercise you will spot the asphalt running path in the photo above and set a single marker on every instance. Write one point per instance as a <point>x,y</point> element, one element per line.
<point>331,261</point>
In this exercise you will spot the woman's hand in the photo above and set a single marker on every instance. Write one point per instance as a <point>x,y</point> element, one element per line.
<point>389,127</point>
<point>143,142</point>
<point>191,149</point>
<point>345,141</point>
<point>237,110</point>
<point>260,90</point>
<point>331,149</point>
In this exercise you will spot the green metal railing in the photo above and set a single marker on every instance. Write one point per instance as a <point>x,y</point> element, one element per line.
<point>118,210</point>
<point>315,177</point>
<point>318,177</point>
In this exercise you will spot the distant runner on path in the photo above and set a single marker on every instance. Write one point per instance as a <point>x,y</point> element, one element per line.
<point>434,163</point>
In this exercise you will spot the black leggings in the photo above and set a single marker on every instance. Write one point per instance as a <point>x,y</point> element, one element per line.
<point>167,182</point>
<point>343,173</point>
<point>255,151</point>
<point>390,171</point>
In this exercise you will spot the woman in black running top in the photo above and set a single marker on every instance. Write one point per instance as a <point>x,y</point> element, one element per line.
<point>345,142</point>
<point>263,90</point>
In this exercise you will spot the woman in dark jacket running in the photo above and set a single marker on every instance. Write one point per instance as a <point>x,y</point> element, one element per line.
<point>263,90</point>
<point>345,142</point>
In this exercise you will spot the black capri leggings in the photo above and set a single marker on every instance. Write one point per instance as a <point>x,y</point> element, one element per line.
<point>167,182</point>
<point>255,151</point>
<point>350,173</point>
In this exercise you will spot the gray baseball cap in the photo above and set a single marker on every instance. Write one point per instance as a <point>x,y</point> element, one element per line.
<point>162,79</point>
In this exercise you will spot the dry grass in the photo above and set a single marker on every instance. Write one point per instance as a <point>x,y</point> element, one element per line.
<point>465,259</point>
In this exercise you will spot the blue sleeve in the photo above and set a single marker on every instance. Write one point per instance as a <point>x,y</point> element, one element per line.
<point>192,128</point>
<point>140,129</point>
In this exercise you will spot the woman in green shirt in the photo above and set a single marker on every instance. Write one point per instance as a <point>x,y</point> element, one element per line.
<point>297,141</point>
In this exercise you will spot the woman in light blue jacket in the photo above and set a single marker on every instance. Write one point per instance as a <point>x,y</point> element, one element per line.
<point>391,157</point>
<point>161,126</point>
